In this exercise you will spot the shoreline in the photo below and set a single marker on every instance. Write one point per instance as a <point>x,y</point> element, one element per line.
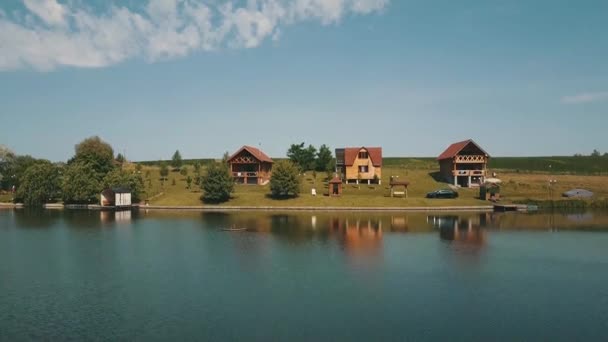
<point>475,208</point>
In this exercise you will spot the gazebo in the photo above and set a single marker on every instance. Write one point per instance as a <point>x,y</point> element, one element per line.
<point>396,184</point>
<point>335,186</point>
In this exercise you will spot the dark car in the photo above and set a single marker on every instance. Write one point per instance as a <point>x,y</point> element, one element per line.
<point>443,193</point>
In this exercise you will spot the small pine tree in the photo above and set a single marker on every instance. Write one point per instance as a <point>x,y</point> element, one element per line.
<point>217,184</point>
<point>176,160</point>
<point>189,182</point>
<point>285,180</point>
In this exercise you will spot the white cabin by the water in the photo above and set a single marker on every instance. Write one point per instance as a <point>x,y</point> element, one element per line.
<point>116,197</point>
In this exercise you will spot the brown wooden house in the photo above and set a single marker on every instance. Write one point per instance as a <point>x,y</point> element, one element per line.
<point>464,163</point>
<point>360,164</point>
<point>249,165</point>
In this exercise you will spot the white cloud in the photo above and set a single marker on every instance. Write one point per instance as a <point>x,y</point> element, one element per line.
<point>585,97</point>
<point>47,34</point>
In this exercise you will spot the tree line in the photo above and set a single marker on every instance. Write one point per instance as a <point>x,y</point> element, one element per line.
<point>78,181</point>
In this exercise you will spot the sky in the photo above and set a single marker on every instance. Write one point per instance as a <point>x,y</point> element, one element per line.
<point>521,78</point>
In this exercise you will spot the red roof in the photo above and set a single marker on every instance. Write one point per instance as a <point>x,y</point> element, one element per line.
<point>351,153</point>
<point>455,148</point>
<point>256,152</point>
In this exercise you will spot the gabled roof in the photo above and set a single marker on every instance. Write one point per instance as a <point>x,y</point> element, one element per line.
<point>351,153</point>
<point>255,152</point>
<point>455,148</point>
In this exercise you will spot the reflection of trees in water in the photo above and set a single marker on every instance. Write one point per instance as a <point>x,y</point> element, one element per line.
<point>297,228</point>
<point>36,217</point>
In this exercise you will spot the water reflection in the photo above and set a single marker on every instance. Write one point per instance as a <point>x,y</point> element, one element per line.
<point>467,230</point>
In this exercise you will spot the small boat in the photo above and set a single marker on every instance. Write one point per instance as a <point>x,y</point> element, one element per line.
<point>233,229</point>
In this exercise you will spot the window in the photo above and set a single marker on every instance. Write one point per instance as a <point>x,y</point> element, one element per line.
<point>363,155</point>
<point>363,168</point>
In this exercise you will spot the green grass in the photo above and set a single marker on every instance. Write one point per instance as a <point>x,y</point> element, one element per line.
<point>6,198</point>
<point>517,186</point>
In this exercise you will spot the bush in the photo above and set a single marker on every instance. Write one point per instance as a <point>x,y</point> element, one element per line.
<point>285,180</point>
<point>217,184</point>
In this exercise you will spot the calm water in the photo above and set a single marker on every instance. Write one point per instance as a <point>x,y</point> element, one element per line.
<point>80,275</point>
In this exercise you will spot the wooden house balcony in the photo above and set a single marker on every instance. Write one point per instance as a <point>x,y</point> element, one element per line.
<point>470,159</point>
<point>244,174</point>
<point>475,173</point>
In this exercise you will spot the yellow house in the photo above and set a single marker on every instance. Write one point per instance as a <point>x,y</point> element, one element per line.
<point>360,164</point>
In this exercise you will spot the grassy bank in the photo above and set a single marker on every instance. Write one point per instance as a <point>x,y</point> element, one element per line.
<point>422,174</point>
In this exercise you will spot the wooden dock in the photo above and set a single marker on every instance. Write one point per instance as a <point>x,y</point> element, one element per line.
<point>510,207</point>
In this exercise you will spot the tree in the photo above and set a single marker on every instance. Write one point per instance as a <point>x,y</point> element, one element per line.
<point>197,168</point>
<point>225,157</point>
<point>176,160</point>
<point>303,158</point>
<point>123,179</point>
<point>324,159</point>
<point>164,171</point>
<point>595,153</point>
<point>183,172</point>
<point>217,184</point>
<point>285,180</point>
<point>189,182</point>
<point>120,159</point>
<point>13,168</point>
<point>79,184</point>
<point>40,184</point>
<point>97,153</point>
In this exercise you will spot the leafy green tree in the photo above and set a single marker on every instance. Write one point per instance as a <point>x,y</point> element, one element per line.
<point>285,180</point>
<point>176,160</point>
<point>303,157</point>
<point>324,159</point>
<point>217,183</point>
<point>225,157</point>
<point>97,153</point>
<point>14,168</point>
<point>595,153</point>
<point>79,184</point>
<point>39,184</point>
<point>123,179</point>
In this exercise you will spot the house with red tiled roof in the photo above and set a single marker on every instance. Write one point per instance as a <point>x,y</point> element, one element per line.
<point>464,164</point>
<point>360,164</point>
<point>249,165</point>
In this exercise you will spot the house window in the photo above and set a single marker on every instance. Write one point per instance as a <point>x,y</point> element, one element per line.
<point>363,155</point>
<point>363,168</point>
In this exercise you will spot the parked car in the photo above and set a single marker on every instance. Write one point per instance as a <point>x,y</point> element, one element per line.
<point>443,193</point>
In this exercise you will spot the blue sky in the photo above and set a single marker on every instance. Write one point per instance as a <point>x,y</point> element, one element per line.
<point>519,77</point>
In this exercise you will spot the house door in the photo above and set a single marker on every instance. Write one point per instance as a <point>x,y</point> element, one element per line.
<point>335,189</point>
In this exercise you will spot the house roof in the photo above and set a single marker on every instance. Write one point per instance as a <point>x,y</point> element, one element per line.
<point>118,190</point>
<point>375,154</point>
<point>255,152</point>
<point>335,180</point>
<point>455,148</point>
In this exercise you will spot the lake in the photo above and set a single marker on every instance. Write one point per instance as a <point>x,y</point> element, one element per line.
<point>163,275</point>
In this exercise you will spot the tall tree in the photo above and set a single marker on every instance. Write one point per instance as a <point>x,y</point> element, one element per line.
<point>324,159</point>
<point>39,185</point>
<point>217,183</point>
<point>176,160</point>
<point>285,180</point>
<point>79,184</point>
<point>96,152</point>
<point>302,157</point>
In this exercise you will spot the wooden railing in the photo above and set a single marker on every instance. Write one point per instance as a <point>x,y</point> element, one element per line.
<point>469,173</point>
<point>244,174</point>
<point>470,159</point>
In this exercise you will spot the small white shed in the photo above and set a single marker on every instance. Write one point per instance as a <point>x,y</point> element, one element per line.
<point>116,197</point>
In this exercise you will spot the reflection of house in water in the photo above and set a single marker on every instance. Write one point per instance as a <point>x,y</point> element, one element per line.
<point>466,229</point>
<point>399,223</point>
<point>121,216</point>
<point>359,236</point>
